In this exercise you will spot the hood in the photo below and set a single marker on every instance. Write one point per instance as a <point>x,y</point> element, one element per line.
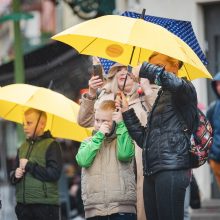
<point>216,78</point>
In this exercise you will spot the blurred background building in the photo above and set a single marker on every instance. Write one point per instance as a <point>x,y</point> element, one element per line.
<point>44,60</point>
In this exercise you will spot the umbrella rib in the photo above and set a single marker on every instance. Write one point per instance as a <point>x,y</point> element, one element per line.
<point>52,123</point>
<point>186,72</point>
<point>139,55</point>
<point>10,110</point>
<point>88,45</point>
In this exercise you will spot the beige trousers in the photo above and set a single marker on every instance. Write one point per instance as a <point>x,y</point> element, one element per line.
<point>140,179</point>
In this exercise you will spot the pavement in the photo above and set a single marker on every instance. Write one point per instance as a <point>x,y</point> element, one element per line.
<point>210,210</point>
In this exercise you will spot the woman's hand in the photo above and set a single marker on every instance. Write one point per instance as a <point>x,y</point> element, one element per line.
<point>94,83</point>
<point>121,102</point>
<point>146,87</point>
<point>117,116</point>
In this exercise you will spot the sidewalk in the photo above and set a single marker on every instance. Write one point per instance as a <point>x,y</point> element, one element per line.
<point>210,210</point>
<point>8,202</point>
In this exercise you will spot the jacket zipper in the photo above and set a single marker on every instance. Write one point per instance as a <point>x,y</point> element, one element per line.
<point>45,189</point>
<point>27,157</point>
<point>146,150</point>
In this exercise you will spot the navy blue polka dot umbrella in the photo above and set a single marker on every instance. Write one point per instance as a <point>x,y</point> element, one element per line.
<point>182,29</point>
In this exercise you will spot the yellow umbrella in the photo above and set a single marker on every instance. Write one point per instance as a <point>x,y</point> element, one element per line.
<point>61,111</point>
<point>131,41</point>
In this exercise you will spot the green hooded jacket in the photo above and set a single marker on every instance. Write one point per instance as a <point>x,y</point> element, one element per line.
<point>89,148</point>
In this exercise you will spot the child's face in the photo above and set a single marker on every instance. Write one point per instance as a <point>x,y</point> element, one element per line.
<point>30,122</point>
<point>103,116</point>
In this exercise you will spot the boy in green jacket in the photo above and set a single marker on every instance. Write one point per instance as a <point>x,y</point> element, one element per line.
<point>37,172</point>
<point>108,179</point>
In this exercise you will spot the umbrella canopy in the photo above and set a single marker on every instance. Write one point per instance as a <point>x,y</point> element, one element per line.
<point>131,41</point>
<point>15,99</point>
<point>182,29</point>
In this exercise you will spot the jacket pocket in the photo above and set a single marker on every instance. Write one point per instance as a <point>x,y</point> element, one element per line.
<point>177,143</point>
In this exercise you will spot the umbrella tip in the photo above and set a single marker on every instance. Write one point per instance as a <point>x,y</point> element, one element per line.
<point>143,13</point>
<point>51,84</point>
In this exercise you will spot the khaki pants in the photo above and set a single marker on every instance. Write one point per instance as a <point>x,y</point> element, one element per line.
<point>140,181</point>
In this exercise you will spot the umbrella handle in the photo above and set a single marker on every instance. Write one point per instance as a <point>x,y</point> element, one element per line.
<point>113,128</point>
<point>50,84</point>
<point>129,70</point>
<point>112,131</point>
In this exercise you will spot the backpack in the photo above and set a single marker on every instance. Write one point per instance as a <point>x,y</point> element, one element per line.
<point>201,140</point>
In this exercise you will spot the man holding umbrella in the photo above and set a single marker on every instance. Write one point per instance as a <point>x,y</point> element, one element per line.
<point>37,172</point>
<point>166,158</point>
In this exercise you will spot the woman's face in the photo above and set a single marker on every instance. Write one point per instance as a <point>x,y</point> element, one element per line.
<point>121,75</point>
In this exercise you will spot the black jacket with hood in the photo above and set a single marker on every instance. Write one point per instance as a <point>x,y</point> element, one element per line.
<point>165,146</point>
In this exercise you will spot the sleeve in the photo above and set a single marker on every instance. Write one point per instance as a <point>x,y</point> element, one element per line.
<point>150,99</point>
<point>181,88</point>
<point>88,150</point>
<point>53,168</point>
<point>135,129</point>
<point>85,116</point>
<point>125,145</point>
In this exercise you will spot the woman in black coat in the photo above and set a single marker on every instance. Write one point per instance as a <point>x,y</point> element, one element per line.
<point>166,157</point>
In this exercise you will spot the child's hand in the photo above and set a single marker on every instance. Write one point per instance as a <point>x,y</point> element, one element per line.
<point>117,116</point>
<point>19,173</point>
<point>23,163</point>
<point>105,128</point>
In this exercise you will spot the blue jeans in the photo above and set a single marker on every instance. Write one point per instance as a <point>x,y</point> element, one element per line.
<point>116,216</point>
<point>164,194</point>
<point>186,204</point>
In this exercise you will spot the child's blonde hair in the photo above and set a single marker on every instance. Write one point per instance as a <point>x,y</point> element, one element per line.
<point>42,114</point>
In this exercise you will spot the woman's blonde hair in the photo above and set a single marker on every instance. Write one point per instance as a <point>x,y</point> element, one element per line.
<point>170,59</point>
<point>112,85</point>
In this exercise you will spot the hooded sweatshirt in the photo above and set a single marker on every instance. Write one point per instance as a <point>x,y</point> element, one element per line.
<point>213,114</point>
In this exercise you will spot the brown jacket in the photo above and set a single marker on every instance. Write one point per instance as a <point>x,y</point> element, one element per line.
<point>86,119</point>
